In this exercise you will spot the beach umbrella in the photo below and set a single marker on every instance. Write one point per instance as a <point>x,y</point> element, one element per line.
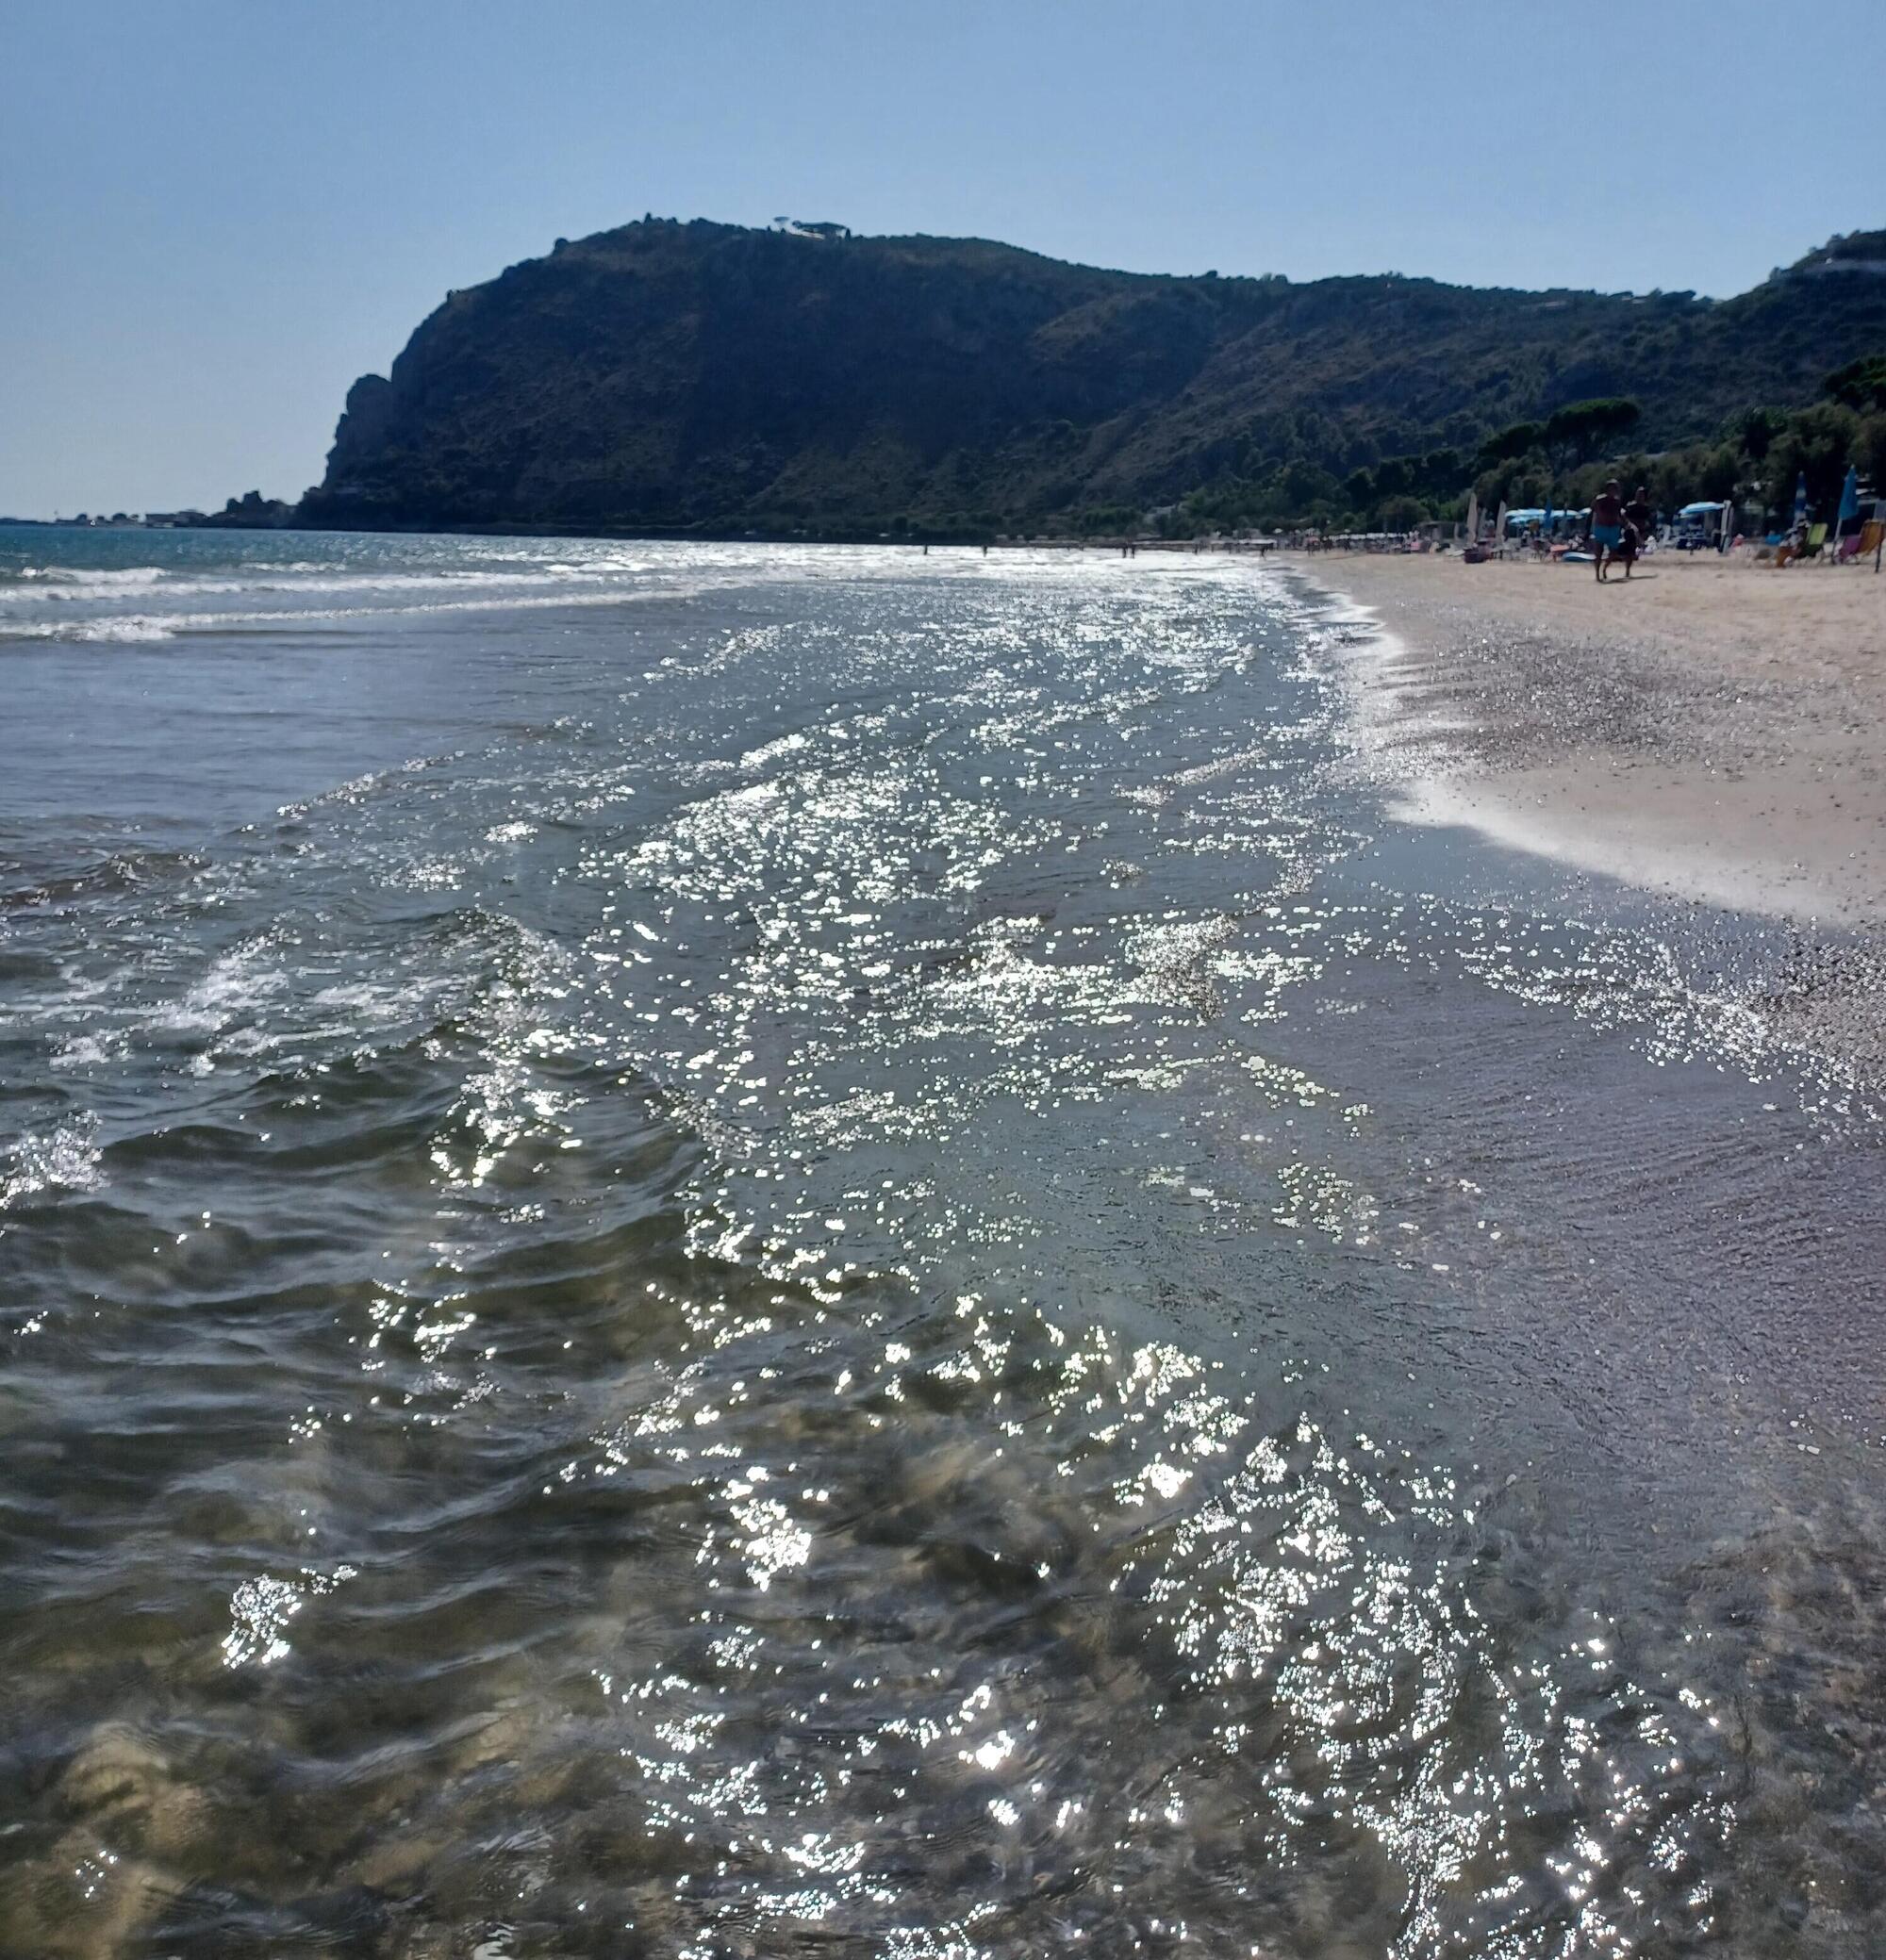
<point>1473,515</point>
<point>1801,497</point>
<point>1499,524</point>
<point>1849,499</point>
<point>1546,529</point>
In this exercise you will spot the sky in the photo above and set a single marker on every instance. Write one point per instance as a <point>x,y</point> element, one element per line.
<point>214,214</point>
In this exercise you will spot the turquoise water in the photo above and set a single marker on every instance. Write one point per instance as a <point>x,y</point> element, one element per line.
<point>712,1248</point>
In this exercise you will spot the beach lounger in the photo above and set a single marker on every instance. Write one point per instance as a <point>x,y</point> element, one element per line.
<point>1862,543</point>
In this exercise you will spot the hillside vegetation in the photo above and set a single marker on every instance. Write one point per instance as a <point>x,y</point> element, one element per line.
<point>671,376</point>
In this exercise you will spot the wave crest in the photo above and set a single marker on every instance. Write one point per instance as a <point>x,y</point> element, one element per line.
<point>79,579</point>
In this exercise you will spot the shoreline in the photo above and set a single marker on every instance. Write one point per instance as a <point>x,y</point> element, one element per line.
<point>1708,732</point>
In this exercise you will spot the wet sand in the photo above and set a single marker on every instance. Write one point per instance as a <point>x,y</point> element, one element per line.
<point>1711,730</point>
<point>1708,731</point>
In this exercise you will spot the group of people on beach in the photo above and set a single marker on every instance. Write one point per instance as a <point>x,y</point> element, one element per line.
<point>1618,530</point>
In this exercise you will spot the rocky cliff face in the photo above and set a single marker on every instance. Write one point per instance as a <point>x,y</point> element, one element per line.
<point>673,376</point>
<point>364,426</point>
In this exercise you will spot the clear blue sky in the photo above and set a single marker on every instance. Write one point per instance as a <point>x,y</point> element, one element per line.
<point>214,215</point>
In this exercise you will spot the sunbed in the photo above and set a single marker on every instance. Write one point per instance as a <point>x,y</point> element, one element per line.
<point>1862,543</point>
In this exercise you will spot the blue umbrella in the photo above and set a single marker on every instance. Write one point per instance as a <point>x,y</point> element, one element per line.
<point>1849,499</point>
<point>1801,497</point>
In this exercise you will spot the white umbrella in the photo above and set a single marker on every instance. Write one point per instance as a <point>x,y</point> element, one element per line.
<point>1473,515</point>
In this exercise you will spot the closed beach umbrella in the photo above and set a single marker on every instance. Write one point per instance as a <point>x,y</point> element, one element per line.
<point>1849,499</point>
<point>1801,497</point>
<point>1473,515</point>
<point>1546,529</point>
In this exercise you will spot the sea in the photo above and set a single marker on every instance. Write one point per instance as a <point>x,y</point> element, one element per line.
<point>737,1249</point>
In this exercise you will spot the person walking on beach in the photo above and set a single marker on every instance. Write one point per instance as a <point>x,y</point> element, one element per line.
<point>1639,521</point>
<point>1607,526</point>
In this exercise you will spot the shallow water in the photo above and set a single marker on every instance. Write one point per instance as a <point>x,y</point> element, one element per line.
<point>706,1249</point>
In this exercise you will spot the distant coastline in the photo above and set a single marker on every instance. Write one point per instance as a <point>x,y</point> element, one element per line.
<point>669,380</point>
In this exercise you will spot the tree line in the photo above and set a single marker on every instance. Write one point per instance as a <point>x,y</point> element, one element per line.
<point>1563,460</point>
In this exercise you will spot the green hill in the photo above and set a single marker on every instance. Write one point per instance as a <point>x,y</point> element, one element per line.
<point>672,376</point>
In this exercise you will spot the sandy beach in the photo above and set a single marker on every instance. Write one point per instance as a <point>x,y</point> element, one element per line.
<point>1709,730</point>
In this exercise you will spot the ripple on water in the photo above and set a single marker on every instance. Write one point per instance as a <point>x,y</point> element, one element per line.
<point>849,1281</point>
